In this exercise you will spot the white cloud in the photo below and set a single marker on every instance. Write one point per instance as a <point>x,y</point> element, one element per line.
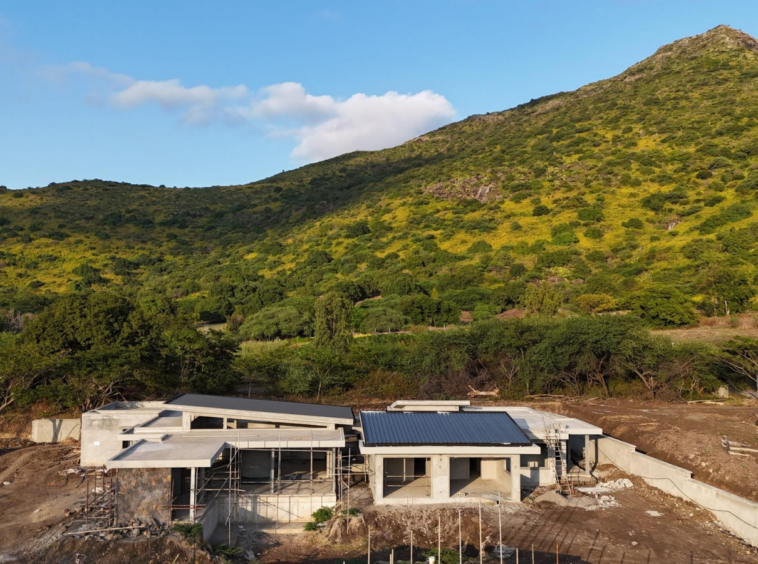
<point>369,123</point>
<point>322,126</point>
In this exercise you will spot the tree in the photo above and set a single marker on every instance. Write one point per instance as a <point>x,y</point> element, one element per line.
<point>259,364</point>
<point>22,368</point>
<point>730,290</point>
<point>662,306</point>
<point>596,303</point>
<point>542,299</point>
<point>587,347</point>
<point>333,316</point>
<point>507,296</point>
<point>643,357</point>
<point>316,370</point>
<point>382,320</point>
<point>277,322</point>
<point>740,355</point>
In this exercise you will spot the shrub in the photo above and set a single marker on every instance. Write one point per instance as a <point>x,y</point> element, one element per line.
<point>593,233</point>
<point>540,210</point>
<point>542,299</point>
<point>632,223</point>
<point>323,514</point>
<point>596,303</point>
<point>662,306</point>
<point>590,214</point>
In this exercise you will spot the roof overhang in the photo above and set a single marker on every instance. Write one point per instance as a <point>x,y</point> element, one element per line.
<point>456,450</point>
<point>173,452</point>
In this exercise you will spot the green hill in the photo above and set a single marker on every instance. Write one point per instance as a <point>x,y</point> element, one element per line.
<point>643,184</point>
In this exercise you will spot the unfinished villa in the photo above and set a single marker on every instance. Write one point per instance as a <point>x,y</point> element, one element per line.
<point>225,460</point>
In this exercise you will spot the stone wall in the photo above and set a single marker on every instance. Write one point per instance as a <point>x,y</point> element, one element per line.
<point>143,494</point>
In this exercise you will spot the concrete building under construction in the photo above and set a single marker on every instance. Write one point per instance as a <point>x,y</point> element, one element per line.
<point>226,460</point>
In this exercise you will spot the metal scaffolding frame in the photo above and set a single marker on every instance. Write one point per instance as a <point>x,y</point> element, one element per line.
<point>345,468</point>
<point>100,501</point>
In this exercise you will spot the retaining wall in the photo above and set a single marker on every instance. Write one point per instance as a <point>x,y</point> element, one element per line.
<point>736,514</point>
<point>55,430</point>
<point>276,508</point>
<point>144,494</point>
<point>209,520</point>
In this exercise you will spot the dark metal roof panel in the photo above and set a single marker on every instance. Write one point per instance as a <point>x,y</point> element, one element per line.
<point>382,428</point>
<point>264,406</point>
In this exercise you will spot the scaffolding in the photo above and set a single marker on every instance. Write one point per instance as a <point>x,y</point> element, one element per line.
<point>224,483</point>
<point>100,499</point>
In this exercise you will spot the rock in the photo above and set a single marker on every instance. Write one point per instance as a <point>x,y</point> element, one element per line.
<point>6,483</point>
<point>505,551</point>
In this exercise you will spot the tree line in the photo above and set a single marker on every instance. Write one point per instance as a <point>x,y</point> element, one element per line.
<point>87,349</point>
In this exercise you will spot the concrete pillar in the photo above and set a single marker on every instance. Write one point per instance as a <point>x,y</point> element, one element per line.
<point>193,493</point>
<point>587,464</point>
<point>272,473</point>
<point>378,477</point>
<point>186,421</point>
<point>440,477</point>
<point>515,477</point>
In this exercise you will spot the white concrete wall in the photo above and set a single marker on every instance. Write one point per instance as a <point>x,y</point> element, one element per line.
<point>537,476</point>
<point>209,519</point>
<point>738,515</point>
<point>100,430</point>
<point>276,508</point>
<point>55,430</point>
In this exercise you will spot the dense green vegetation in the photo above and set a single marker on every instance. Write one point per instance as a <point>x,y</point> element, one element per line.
<point>635,193</point>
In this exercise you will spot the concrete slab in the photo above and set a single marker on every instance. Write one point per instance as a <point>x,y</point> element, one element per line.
<point>534,422</point>
<point>174,452</point>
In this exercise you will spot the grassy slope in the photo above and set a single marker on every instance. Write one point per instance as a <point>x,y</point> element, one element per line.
<point>688,108</point>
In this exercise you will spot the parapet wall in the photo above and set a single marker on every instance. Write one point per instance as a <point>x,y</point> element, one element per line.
<point>736,514</point>
<point>55,430</point>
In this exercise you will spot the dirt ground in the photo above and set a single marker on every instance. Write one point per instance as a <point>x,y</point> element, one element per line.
<point>687,435</point>
<point>35,492</point>
<point>34,503</point>
<point>643,526</point>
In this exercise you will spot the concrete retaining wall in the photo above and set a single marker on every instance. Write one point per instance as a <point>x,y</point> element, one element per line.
<point>55,430</point>
<point>209,520</point>
<point>736,514</point>
<point>279,509</point>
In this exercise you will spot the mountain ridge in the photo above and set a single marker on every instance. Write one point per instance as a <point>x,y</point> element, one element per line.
<point>625,183</point>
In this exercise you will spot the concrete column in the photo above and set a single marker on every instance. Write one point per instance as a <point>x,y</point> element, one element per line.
<point>186,421</point>
<point>378,477</point>
<point>515,477</point>
<point>440,477</point>
<point>587,464</point>
<point>193,493</point>
<point>272,472</point>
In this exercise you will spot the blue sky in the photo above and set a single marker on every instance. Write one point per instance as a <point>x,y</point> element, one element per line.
<point>187,93</point>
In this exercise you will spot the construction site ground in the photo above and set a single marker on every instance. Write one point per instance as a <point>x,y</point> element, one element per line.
<point>688,435</point>
<point>637,525</point>
<point>640,525</point>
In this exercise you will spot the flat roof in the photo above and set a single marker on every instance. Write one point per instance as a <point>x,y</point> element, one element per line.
<point>174,452</point>
<point>383,428</point>
<point>536,422</point>
<point>332,412</point>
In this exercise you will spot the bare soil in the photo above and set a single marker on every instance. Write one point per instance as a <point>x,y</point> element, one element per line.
<point>33,506</point>
<point>686,435</point>
<point>645,527</point>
